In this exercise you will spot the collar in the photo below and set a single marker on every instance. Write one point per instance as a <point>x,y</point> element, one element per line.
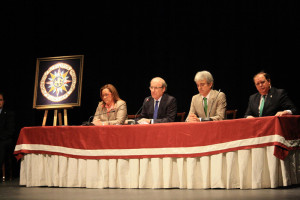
<point>157,99</point>
<point>269,92</point>
<point>207,96</point>
<point>109,108</point>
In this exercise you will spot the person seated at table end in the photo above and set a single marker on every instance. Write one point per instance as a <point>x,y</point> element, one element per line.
<point>268,101</point>
<point>209,104</point>
<point>112,110</point>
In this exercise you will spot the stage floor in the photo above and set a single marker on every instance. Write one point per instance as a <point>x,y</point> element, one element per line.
<point>12,191</point>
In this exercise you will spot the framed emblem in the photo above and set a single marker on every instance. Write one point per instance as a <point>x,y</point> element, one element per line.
<point>58,82</point>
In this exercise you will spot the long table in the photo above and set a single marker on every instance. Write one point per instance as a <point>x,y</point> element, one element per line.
<point>242,153</point>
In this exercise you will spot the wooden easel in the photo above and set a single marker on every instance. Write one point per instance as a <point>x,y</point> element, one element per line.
<point>57,112</point>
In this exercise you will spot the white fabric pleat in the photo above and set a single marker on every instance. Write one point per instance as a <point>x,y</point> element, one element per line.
<point>244,169</point>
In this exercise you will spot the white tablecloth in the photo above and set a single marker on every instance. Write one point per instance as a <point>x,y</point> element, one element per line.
<point>244,169</point>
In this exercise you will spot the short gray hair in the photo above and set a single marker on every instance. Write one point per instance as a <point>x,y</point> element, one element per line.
<point>204,75</point>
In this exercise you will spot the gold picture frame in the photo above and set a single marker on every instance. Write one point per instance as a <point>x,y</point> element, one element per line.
<point>58,82</point>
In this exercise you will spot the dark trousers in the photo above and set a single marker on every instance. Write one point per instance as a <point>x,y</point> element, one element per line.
<point>5,150</point>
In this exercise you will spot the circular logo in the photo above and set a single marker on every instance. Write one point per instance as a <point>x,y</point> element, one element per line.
<point>58,82</point>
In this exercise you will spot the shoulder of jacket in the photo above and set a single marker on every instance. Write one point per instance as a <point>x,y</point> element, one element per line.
<point>169,96</point>
<point>215,92</point>
<point>278,90</point>
<point>254,95</point>
<point>196,96</point>
<point>7,111</point>
<point>120,102</point>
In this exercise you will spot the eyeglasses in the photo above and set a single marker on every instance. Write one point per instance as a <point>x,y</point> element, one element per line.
<point>154,88</point>
<point>260,83</point>
<point>201,84</point>
<point>105,95</point>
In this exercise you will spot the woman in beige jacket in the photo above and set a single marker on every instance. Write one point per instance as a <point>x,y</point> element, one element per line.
<point>112,110</point>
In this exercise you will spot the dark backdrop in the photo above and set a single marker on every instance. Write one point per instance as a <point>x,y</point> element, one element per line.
<point>127,44</point>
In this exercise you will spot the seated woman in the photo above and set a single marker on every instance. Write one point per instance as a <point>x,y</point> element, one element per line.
<point>112,109</point>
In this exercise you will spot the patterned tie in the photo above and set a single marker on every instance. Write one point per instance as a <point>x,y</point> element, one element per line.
<point>205,106</point>
<point>262,103</point>
<point>155,110</point>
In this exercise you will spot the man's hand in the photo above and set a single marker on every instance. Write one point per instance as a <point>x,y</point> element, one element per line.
<point>281,113</point>
<point>193,118</point>
<point>144,121</point>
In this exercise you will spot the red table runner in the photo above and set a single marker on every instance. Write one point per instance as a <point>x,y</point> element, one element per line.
<point>180,139</point>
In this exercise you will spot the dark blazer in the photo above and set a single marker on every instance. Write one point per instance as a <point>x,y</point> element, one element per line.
<point>7,130</point>
<point>277,100</point>
<point>167,109</point>
<point>7,124</point>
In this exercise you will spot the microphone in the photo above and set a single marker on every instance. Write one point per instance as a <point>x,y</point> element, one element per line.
<point>88,123</point>
<point>208,118</point>
<point>147,99</point>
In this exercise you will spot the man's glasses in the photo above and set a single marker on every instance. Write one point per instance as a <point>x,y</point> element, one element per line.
<point>154,88</point>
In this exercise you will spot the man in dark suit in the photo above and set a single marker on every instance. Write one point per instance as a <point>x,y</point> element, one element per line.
<point>159,107</point>
<point>7,129</point>
<point>268,101</point>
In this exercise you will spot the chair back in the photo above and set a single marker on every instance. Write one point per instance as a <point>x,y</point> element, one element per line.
<point>132,116</point>
<point>180,117</point>
<point>230,114</point>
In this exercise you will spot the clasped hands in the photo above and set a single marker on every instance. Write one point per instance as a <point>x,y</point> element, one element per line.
<point>193,118</point>
<point>98,122</point>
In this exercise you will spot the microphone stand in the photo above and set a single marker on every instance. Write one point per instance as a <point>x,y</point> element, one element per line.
<point>108,116</point>
<point>148,98</point>
<point>89,123</point>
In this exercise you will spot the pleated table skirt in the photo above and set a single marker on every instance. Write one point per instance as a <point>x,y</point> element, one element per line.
<point>245,169</point>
